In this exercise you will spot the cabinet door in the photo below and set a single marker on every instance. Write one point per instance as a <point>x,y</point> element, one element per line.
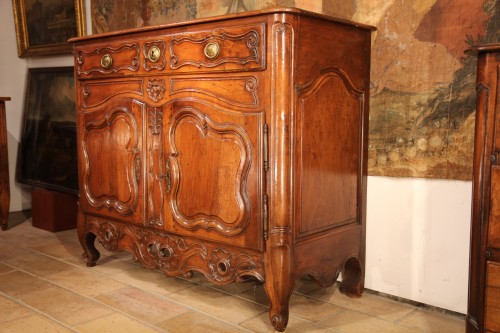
<point>214,162</point>
<point>110,166</point>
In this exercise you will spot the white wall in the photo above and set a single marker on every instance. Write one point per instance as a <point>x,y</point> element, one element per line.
<point>418,239</point>
<point>417,229</point>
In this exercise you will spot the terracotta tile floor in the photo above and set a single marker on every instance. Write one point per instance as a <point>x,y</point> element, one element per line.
<point>45,288</point>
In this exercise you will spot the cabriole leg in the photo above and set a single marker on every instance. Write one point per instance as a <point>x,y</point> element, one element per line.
<point>87,239</point>
<point>279,280</point>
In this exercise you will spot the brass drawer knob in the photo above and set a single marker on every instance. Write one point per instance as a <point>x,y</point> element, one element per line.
<point>211,50</point>
<point>106,61</point>
<point>154,54</point>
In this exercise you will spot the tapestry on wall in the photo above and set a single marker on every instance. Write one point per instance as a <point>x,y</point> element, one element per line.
<point>422,84</point>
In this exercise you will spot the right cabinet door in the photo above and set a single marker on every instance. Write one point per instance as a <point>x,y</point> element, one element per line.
<point>214,166</point>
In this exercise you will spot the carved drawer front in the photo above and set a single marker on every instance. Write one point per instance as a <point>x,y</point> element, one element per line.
<point>238,48</point>
<point>119,59</point>
<point>111,162</point>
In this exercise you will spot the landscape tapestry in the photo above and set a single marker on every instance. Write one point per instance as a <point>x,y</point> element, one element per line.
<point>422,107</point>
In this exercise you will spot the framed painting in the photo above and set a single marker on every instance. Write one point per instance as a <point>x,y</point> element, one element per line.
<point>47,155</point>
<point>43,27</point>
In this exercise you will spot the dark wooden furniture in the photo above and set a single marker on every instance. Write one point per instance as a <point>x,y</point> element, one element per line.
<point>233,146</point>
<point>484,283</point>
<point>53,210</point>
<point>4,167</point>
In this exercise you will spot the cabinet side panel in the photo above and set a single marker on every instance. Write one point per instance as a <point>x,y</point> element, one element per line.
<point>329,113</point>
<point>321,45</point>
<point>332,84</point>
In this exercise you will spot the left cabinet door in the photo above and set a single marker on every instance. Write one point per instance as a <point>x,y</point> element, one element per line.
<point>111,159</point>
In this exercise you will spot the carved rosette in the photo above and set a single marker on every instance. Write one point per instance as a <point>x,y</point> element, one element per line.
<point>107,233</point>
<point>226,267</point>
<point>168,253</point>
<point>156,89</point>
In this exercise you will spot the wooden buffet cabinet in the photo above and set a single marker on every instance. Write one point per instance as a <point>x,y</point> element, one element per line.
<point>483,314</point>
<point>233,146</point>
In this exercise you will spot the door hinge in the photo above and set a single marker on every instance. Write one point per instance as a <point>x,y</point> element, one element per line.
<point>266,147</point>
<point>265,215</point>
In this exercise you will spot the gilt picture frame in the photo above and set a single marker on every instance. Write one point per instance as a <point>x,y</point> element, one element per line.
<point>43,27</point>
<point>47,153</point>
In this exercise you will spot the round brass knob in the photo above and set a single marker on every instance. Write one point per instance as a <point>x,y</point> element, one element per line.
<point>154,54</point>
<point>106,61</point>
<point>211,50</point>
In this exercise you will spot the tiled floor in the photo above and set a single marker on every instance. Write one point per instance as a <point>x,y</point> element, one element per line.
<point>45,288</point>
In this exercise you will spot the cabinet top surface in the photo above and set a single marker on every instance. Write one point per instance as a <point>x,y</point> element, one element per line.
<point>289,10</point>
<point>4,98</point>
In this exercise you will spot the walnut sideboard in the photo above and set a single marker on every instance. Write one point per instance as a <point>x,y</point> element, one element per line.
<point>4,167</point>
<point>234,146</point>
<point>483,313</point>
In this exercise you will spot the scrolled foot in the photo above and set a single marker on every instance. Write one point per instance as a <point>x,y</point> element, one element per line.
<point>91,255</point>
<point>89,262</point>
<point>279,322</point>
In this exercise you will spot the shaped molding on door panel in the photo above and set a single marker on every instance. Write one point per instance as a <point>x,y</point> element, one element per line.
<point>209,162</point>
<point>111,159</point>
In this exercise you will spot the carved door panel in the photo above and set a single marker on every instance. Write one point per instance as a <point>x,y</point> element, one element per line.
<point>214,165</point>
<point>111,159</point>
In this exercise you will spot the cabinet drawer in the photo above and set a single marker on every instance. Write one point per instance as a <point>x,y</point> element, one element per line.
<point>492,308</point>
<point>237,48</point>
<point>117,58</point>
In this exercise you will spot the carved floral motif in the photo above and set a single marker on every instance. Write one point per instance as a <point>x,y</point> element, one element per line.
<point>175,255</point>
<point>156,89</point>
